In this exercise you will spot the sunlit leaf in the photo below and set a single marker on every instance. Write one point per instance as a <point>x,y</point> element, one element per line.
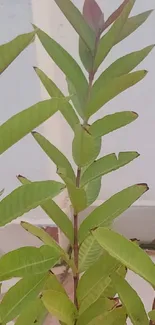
<point>54,213</point>
<point>26,261</point>
<point>89,253</point>
<point>103,93</point>
<point>112,122</point>
<point>107,164</point>
<point>130,300</point>
<point>10,50</point>
<point>66,63</point>
<point>109,39</point>
<point>55,155</point>
<point>116,316</point>
<point>53,283</point>
<point>26,198</point>
<point>60,306</point>
<point>111,291</point>
<point>20,295</point>
<point>92,190</point>
<point>66,109</point>
<point>127,252</point>
<point>34,313</point>
<point>24,122</point>
<point>104,214</point>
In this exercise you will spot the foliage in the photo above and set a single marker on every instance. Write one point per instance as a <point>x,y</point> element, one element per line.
<point>100,257</point>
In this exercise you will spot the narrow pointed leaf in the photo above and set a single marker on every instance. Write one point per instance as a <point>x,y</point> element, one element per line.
<point>85,148</point>
<point>66,109</point>
<point>95,280</point>
<point>106,165</point>
<point>130,300</point>
<point>112,122</point>
<point>26,261</point>
<point>1,192</point>
<point>116,316</point>
<point>74,98</point>
<point>115,14</point>
<point>102,94</point>
<point>92,190</point>
<point>109,39</point>
<point>89,253</point>
<point>55,155</point>
<point>26,198</point>
<point>66,63</point>
<point>85,55</point>
<point>132,24</point>
<point>60,306</point>
<point>20,295</point>
<point>24,122</point>
<point>54,213</point>
<point>127,252</point>
<point>93,15</point>
<point>34,313</point>
<point>10,50</point>
<point>76,19</point>
<point>104,215</point>
<point>99,309</point>
<point>124,65</point>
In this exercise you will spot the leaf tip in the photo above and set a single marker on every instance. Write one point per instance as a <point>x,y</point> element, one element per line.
<point>20,176</point>
<point>135,114</point>
<point>144,185</point>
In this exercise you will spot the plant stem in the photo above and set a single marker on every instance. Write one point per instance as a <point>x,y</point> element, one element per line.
<point>76,245</point>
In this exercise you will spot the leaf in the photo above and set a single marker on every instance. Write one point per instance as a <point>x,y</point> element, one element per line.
<point>55,213</point>
<point>111,291</point>
<point>27,261</point>
<point>111,123</point>
<point>53,283</point>
<point>60,306</point>
<point>89,253</point>
<point>124,65</point>
<point>74,16</point>
<point>1,192</point>
<point>107,164</point>
<point>152,315</point>
<point>26,198</point>
<point>93,15</point>
<point>94,281</point>
<point>132,24</point>
<point>10,50</point>
<point>116,316</point>
<point>55,155</point>
<point>66,110</point>
<point>115,14</point>
<point>127,252</point>
<point>74,98</point>
<point>108,40</point>
<point>34,313</point>
<point>130,300</point>
<point>102,94</point>
<point>85,56</point>
<point>66,63</point>
<point>111,209</point>
<point>101,307</point>
<point>24,122</point>
<point>20,295</point>
<point>84,148</point>
<point>92,190</point>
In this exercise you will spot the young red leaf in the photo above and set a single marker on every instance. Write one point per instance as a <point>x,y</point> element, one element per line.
<point>115,15</point>
<point>93,15</point>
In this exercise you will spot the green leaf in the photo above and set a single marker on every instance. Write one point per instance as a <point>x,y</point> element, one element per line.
<point>124,65</point>
<point>132,24</point>
<point>152,315</point>
<point>92,190</point>
<point>108,40</point>
<point>116,316</point>
<point>111,291</point>
<point>101,307</point>
<point>55,213</point>
<point>55,155</point>
<point>24,122</point>
<point>76,19</point>
<point>34,313</point>
<point>127,252</point>
<point>94,281</point>
<point>66,109</point>
<point>102,94</point>
<point>60,306</point>
<point>107,164</point>
<point>85,56</point>
<point>130,300</point>
<point>66,63</point>
<point>108,211</point>
<point>112,122</point>
<point>20,295</point>
<point>1,192</point>
<point>74,98</point>
<point>10,50</point>
<point>26,261</point>
<point>89,253</point>
<point>53,283</point>
<point>85,148</point>
<point>26,198</point>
